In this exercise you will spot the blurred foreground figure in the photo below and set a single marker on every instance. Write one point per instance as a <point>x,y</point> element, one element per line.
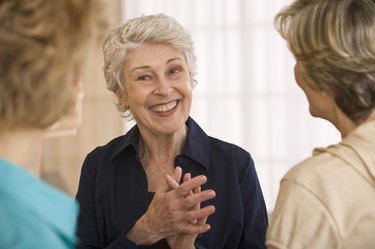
<point>42,48</point>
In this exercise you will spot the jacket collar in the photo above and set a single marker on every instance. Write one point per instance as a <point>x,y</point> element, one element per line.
<point>196,146</point>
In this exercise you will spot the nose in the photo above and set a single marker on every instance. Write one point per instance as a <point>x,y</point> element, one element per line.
<point>163,87</point>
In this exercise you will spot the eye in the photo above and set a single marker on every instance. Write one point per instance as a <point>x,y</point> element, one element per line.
<point>175,70</point>
<point>143,77</point>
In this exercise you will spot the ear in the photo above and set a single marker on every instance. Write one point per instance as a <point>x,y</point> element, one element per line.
<point>69,123</point>
<point>121,97</point>
<point>326,94</point>
<point>77,84</point>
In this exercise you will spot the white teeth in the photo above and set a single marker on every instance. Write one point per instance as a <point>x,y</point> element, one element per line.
<point>165,108</point>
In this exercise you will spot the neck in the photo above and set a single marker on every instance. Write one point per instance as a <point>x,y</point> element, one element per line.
<point>162,149</point>
<point>345,125</point>
<point>23,148</point>
<point>371,117</point>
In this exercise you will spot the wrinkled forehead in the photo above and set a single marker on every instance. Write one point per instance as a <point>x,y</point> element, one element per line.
<point>152,55</point>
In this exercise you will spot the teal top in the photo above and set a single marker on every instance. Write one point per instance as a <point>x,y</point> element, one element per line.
<point>34,214</point>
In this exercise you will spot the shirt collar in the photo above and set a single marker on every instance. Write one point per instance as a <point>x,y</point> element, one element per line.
<point>196,145</point>
<point>130,139</point>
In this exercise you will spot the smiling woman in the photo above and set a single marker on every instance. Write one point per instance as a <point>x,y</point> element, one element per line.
<point>327,200</point>
<point>157,89</point>
<point>161,184</point>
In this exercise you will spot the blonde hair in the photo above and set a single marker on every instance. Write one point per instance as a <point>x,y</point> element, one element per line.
<point>135,33</point>
<point>41,44</point>
<point>334,41</point>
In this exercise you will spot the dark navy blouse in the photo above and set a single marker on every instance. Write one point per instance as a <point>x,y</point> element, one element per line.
<point>113,192</point>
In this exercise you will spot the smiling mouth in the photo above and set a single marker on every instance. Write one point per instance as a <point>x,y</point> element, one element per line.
<point>164,108</point>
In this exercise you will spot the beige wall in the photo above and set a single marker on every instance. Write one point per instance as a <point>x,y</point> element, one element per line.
<point>63,156</point>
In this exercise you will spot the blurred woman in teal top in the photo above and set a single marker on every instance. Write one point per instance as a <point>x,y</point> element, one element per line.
<point>42,47</point>
<point>32,213</point>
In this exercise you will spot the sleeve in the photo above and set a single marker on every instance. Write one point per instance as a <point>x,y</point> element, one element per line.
<point>255,212</point>
<point>300,220</point>
<point>89,232</point>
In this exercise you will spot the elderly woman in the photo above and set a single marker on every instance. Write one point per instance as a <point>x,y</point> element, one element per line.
<point>130,190</point>
<point>42,46</point>
<point>328,200</point>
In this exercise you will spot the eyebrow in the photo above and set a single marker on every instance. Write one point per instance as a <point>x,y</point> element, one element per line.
<point>147,67</point>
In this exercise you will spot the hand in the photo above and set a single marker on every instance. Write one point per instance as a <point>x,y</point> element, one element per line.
<point>185,241</point>
<point>172,212</point>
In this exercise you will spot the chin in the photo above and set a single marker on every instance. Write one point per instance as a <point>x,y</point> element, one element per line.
<point>172,129</point>
<point>313,113</point>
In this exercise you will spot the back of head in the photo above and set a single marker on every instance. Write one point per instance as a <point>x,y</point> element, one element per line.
<point>333,40</point>
<point>137,32</point>
<point>40,54</point>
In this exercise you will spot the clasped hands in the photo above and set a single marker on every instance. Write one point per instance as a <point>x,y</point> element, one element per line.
<point>175,213</point>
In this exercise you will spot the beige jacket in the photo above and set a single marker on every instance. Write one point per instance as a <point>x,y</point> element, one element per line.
<point>328,200</point>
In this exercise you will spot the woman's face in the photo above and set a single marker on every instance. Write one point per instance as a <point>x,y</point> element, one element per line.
<point>320,102</point>
<point>158,88</point>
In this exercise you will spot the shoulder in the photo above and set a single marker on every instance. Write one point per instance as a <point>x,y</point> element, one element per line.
<point>302,195</point>
<point>211,150</point>
<point>101,155</point>
<point>231,158</point>
<point>306,184</point>
<point>117,145</point>
<point>315,177</point>
<point>222,150</point>
<point>19,229</point>
<point>219,145</point>
<point>314,169</point>
<point>109,147</point>
<point>105,153</point>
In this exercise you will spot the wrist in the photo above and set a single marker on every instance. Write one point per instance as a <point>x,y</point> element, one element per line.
<point>140,234</point>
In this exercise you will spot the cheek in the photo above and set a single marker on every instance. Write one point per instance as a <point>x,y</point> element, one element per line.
<point>140,96</point>
<point>188,95</point>
<point>188,87</point>
<point>297,78</point>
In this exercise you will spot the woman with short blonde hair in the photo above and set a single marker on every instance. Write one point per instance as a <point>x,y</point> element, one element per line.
<point>327,201</point>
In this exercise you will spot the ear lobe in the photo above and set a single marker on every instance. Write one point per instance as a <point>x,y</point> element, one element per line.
<point>121,97</point>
